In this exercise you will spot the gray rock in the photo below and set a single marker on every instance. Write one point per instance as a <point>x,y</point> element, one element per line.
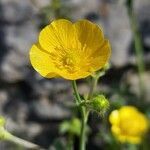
<point>14,11</point>
<point>19,40</point>
<point>3,100</point>
<point>46,110</point>
<point>134,85</point>
<point>119,33</point>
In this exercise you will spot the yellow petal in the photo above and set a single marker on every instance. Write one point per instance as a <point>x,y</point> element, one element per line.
<point>89,35</point>
<point>56,35</point>
<point>115,130</point>
<point>73,76</point>
<point>114,117</point>
<point>101,56</point>
<point>41,62</point>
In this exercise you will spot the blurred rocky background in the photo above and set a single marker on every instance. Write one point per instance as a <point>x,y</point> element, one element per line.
<point>35,106</point>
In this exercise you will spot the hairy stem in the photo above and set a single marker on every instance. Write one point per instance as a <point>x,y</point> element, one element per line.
<point>83,119</point>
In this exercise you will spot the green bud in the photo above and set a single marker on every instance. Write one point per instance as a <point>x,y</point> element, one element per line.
<point>99,104</point>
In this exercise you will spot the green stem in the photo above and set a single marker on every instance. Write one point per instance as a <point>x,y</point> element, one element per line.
<point>93,87</point>
<point>24,143</point>
<point>76,93</point>
<point>70,142</point>
<point>9,137</point>
<point>83,131</point>
<point>137,43</point>
<point>84,117</point>
<point>84,112</point>
<point>5,135</point>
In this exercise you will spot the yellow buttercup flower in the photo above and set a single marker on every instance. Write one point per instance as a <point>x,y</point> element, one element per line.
<point>70,50</point>
<point>128,124</point>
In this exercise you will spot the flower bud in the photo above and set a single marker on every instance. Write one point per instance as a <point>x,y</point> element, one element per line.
<point>99,104</point>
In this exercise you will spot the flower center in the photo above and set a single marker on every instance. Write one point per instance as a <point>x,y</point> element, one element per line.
<point>63,61</point>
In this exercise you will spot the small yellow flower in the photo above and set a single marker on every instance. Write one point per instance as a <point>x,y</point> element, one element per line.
<point>128,124</point>
<point>70,50</point>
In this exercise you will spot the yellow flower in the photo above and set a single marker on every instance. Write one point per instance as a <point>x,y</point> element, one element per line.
<point>128,124</point>
<point>70,50</point>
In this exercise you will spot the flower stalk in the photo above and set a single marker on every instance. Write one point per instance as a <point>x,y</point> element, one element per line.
<point>137,43</point>
<point>9,137</point>
<point>93,86</point>
<point>5,135</point>
<point>84,110</point>
<point>24,143</point>
<point>83,115</point>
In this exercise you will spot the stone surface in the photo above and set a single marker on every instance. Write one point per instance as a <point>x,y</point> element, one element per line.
<point>133,81</point>
<point>34,105</point>
<point>46,110</point>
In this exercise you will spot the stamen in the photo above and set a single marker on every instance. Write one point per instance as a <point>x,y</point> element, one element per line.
<point>63,61</point>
